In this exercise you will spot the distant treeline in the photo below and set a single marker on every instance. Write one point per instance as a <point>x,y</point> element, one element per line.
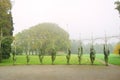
<point>86,47</point>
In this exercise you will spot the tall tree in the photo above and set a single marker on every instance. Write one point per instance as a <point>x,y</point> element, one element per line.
<point>6,28</point>
<point>43,36</point>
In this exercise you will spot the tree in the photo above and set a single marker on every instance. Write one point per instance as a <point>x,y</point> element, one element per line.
<point>27,59</point>
<point>118,6</point>
<point>43,36</point>
<point>6,28</point>
<point>80,53</point>
<point>117,48</point>
<point>92,54</point>
<point>41,55</point>
<point>68,56</point>
<point>106,53</point>
<point>53,55</point>
<point>13,51</point>
<point>6,47</point>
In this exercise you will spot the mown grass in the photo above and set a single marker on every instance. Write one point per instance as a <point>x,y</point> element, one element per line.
<point>61,60</point>
<point>113,58</point>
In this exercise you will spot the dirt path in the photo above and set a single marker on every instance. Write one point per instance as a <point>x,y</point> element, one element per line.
<point>60,72</point>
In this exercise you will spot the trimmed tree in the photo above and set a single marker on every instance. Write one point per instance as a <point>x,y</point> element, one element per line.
<point>80,52</point>
<point>41,55</point>
<point>92,55</point>
<point>53,55</point>
<point>68,56</point>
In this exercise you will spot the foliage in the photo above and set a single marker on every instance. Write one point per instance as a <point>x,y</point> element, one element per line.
<point>117,48</point>
<point>92,54</point>
<point>106,53</point>
<point>41,55</point>
<point>45,36</point>
<point>53,55</point>
<point>6,28</point>
<point>6,47</point>
<point>27,59</point>
<point>14,58</point>
<point>6,22</point>
<point>118,6</point>
<point>80,53</point>
<point>68,56</point>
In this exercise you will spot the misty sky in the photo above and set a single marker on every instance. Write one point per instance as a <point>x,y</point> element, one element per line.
<point>79,17</point>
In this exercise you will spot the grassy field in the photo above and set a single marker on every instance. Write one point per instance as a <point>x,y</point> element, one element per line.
<point>61,60</point>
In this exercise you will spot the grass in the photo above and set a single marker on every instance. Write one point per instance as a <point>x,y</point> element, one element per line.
<point>61,60</point>
<point>113,58</point>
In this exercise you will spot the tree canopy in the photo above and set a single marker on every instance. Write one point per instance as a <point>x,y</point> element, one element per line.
<point>45,36</point>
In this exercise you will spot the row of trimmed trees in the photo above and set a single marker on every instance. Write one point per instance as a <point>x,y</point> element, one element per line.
<point>68,56</point>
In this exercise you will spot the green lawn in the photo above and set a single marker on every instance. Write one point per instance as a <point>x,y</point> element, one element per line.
<point>61,60</point>
<point>113,58</point>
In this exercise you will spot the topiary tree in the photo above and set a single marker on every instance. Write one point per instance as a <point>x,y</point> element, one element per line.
<point>106,51</point>
<point>14,57</point>
<point>27,59</point>
<point>106,54</point>
<point>92,52</point>
<point>92,55</point>
<point>13,52</point>
<point>80,52</point>
<point>53,55</point>
<point>41,55</point>
<point>68,56</point>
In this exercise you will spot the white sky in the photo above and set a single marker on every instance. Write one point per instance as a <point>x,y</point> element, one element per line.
<point>83,17</point>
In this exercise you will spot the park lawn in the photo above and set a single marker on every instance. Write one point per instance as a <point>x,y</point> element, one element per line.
<point>113,58</point>
<point>60,60</point>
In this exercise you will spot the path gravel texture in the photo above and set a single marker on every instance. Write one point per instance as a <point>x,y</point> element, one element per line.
<point>60,72</point>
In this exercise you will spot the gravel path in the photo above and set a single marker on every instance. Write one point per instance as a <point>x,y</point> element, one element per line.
<point>60,72</point>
